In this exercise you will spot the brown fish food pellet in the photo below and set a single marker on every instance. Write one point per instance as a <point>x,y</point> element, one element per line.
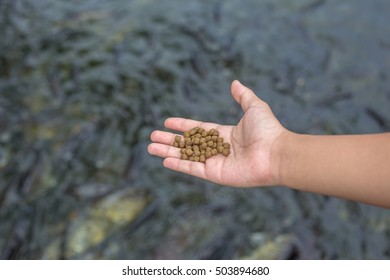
<point>198,144</point>
<point>184,156</point>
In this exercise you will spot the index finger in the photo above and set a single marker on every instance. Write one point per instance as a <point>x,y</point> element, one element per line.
<point>182,124</point>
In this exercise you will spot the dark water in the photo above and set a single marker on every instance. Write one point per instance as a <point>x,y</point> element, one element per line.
<point>82,85</point>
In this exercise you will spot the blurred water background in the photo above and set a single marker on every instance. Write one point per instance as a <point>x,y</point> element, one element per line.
<point>83,83</point>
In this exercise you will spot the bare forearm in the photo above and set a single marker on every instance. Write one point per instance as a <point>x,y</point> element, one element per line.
<point>355,167</point>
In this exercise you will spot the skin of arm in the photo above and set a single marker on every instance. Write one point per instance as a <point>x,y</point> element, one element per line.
<point>264,153</point>
<point>355,167</point>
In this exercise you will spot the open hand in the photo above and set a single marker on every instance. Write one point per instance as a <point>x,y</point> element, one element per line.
<point>253,160</point>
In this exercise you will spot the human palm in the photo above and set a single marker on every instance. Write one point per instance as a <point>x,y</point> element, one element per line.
<point>252,139</point>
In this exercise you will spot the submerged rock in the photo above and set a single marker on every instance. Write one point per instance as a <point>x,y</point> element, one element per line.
<point>279,248</point>
<point>102,219</point>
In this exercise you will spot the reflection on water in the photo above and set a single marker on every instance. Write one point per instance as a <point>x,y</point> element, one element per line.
<point>83,84</point>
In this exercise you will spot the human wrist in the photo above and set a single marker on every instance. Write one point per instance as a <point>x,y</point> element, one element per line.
<point>281,157</point>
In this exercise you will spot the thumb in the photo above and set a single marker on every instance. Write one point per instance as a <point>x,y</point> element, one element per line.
<point>244,96</point>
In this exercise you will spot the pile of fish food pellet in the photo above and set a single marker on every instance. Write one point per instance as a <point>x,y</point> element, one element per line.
<point>198,144</point>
